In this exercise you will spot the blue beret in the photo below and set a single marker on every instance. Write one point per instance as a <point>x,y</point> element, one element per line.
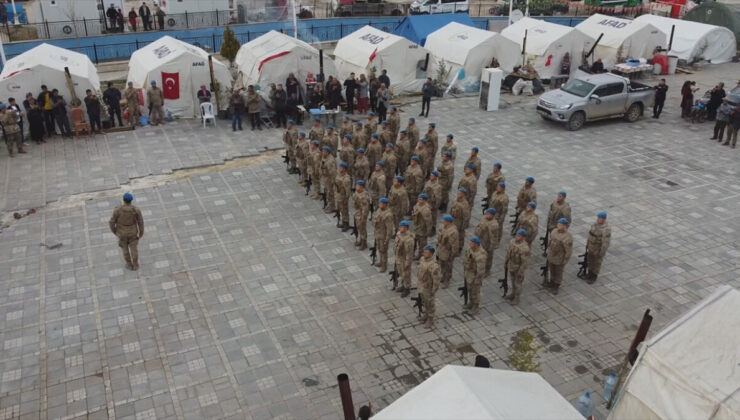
<point>475,148</point>
<point>563,220</point>
<point>601,215</point>
<point>429,248</point>
<point>317,119</point>
<point>360,150</point>
<point>475,240</point>
<point>347,117</point>
<point>348,136</point>
<point>423,195</point>
<point>154,82</point>
<point>380,163</point>
<point>497,165</point>
<point>415,158</point>
<point>316,142</point>
<point>291,122</point>
<point>371,114</point>
<point>331,127</point>
<point>389,145</point>
<point>358,123</point>
<point>404,223</point>
<point>469,166</point>
<point>326,149</point>
<point>435,172</point>
<point>360,182</point>
<point>394,107</point>
<point>384,123</point>
<point>447,218</point>
<point>424,141</point>
<point>399,177</point>
<point>448,153</point>
<point>3,106</point>
<point>502,184</point>
<point>532,204</point>
<point>412,119</point>
<point>302,134</point>
<point>404,131</point>
<point>375,135</point>
<point>521,232</point>
<point>383,200</point>
<point>450,136</point>
<point>530,179</point>
<point>344,165</point>
<point>463,190</point>
<point>431,124</point>
<point>563,193</point>
<point>126,197</point>
<point>491,210</point>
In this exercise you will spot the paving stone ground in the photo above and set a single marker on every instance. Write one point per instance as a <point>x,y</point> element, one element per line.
<point>249,301</point>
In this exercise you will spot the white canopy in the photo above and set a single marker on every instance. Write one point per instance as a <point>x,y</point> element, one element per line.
<point>689,370</point>
<point>44,65</point>
<point>179,69</point>
<point>636,39</point>
<point>473,393</point>
<point>694,40</point>
<point>368,47</point>
<point>547,43</point>
<point>271,57</point>
<point>469,48</point>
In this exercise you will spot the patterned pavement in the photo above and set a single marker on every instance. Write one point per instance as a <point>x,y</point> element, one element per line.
<point>249,301</point>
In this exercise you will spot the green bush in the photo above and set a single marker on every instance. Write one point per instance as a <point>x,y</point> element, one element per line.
<point>230,45</point>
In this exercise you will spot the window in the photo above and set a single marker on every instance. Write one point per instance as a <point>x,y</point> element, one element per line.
<point>609,89</point>
<point>577,87</point>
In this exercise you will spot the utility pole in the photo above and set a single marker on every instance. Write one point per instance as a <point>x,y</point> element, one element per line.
<point>15,13</point>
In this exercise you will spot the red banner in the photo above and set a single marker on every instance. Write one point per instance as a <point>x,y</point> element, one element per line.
<point>372,56</point>
<point>272,57</point>
<point>171,85</point>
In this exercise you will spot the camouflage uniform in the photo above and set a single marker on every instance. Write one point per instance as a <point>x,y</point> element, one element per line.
<point>127,224</point>
<point>433,189</point>
<point>301,154</point>
<point>501,204</point>
<point>460,213</point>
<point>402,154</point>
<point>342,191</point>
<point>377,186</point>
<point>373,152</point>
<point>428,283</point>
<point>361,205</point>
<point>12,131</point>
<point>132,103</point>
<point>475,267</point>
<point>490,236</point>
<point>470,183</point>
<point>371,126</point>
<point>529,221</point>
<point>448,247</point>
<point>413,135</point>
<point>290,141</point>
<point>414,182</point>
<point>494,178</point>
<point>475,160</point>
<point>517,261</point>
<point>559,250</point>
<point>332,140</point>
<point>382,232</point>
<point>394,120</point>
<point>359,141</point>
<point>348,155</point>
<point>425,157</point>
<point>449,147</point>
<point>446,178</point>
<point>316,133</point>
<point>399,203</point>
<point>386,136</point>
<point>525,196</point>
<point>403,250</point>
<point>599,238</point>
<point>328,174</point>
<point>314,162</point>
<point>422,223</point>
<point>361,168</point>
<point>558,211</point>
<point>433,142</point>
<point>346,128</point>
<point>389,168</point>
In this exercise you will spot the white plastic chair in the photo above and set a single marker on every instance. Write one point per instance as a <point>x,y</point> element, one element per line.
<point>206,113</point>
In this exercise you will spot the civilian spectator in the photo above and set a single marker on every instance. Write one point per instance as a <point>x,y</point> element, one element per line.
<point>293,87</point>
<point>47,106</point>
<point>112,15</point>
<point>204,95</point>
<point>687,98</point>
<point>383,78</point>
<point>723,116</point>
<point>27,102</point>
<point>427,91</point>
<point>660,91</point>
<point>732,127</point>
<point>132,19</point>
<point>328,83</point>
<point>374,85</point>
<point>35,118</point>
<point>160,17</point>
<point>253,107</point>
<point>112,98</point>
<point>14,106</point>
<point>60,113</point>
<point>93,111</point>
<point>362,94</point>
<point>119,20</point>
<point>715,100</point>
<point>334,92</point>
<point>597,67</point>
<point>146,16</point>
<point>237,108</point>
<point>315,99</point>
<point>384,102</point>
<point>350,88</point>
<point>291,109</point>
<point>279,103</point>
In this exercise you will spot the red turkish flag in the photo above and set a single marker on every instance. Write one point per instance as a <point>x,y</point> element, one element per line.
<point>372,56</point>
<point>171,85</point>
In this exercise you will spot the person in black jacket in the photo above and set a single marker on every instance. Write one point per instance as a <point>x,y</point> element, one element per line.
<point>597,67</point>
<point>715,100</point>
<point>146,16</point>
<point>93,110</point>
<point>334,92</point>
<point>427,91</point>
<point>47,107</point>
<point>383,78</point>
<point>279,103</point>
<point>35,121</point>
<point>660,91</point>
<point>112,98</point>
<point>60,113</point>
<point>350,86</point>
<point>112,15</point>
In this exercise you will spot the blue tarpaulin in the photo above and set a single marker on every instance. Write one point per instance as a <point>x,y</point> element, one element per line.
<point>415,28</point>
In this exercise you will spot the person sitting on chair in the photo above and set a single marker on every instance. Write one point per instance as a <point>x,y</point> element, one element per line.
<point>597,67</point>
<point>204,95</point>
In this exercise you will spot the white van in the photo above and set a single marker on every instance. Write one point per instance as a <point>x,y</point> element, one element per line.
<point>425,7</point>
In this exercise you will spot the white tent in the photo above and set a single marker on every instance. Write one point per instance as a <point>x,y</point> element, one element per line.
<point>622,38</point>
<point>271,57</point>
<point>547,43</point>
<point>179,69</point>
<point>473,393</point>
<point>689,370</point>
<point>44,65</point>
<point>694,40</point>
<point>471,49</point>
<point>368,47</point>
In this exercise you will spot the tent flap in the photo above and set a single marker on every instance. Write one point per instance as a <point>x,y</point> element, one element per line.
<point>416,28</point>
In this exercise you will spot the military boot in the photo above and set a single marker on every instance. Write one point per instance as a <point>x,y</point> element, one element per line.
<point>383,265</point>
<point>428,324</point>
<point>591,278</point>
<point>468,305</point>
<point>345,227</point>
<point>515,300</point>
<point>473,310</point>
<point>554,288</point>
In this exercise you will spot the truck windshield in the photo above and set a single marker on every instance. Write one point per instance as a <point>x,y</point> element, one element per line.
<point>577,87</point>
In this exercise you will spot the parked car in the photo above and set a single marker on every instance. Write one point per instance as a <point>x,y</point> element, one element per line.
<point>426,7</point>
<point>368,8</point>
<point>595,97</point>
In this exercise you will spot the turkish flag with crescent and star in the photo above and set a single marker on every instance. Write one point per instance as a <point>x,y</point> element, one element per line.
<point>171,85</point>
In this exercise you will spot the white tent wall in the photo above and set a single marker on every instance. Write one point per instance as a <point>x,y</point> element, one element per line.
<point>402,58</point>
<point>271,57</point>
<point>636,39</point>
<point>170,55</point>
<point>547,44</point>
<point>694,40</point>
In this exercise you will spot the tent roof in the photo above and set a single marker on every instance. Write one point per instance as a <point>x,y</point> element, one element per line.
<point>690,36</point>
<point>165,50</point>
<point>616,30</point>
<point>454,41</point>
<point>356,47</point>
<point>266,45</point>
<point>463,392</point>
<point>690,368</point>
<point>416,28</point>
<point>540,33</point>
<point>50,56</point>
<point>712,12</point>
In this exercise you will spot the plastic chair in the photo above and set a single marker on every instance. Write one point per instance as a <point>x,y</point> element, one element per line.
<point>78,121</point>
<point>206,113</point>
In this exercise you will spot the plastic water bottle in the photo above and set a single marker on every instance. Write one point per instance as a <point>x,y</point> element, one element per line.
<point>609,384</point>
<point>585,405</point>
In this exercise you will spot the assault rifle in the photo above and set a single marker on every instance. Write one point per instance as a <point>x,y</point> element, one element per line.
<point>354,230</point>
<point>418,304</point>
<point>323,198</point>
<point>583,265</point>
<point>394,278</point>
<point>374,252</point>
<point>372,208</point>
<point>338,216</point>
<point>309,182</point>
<point>504,282</point>
<point>545,272</point>
<point>286,160</point>
<point>464,290</point>
<point>484,204</point>
<point>544,242</point>
<point>515,221</point>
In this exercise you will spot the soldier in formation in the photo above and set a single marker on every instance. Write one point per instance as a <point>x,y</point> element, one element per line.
<point>361,166</point>
<point>516,263</point>
<point>446,177</point>
<point>494,178</point>
<point>428,282</point>
<point>449,146</point>
<point>433,189</point>
<point>475,161</point>
<point>470,183</point>
<point>447,248</point>
<point>529,221</point>
<point>389,165</point>
<point>361,204</point>
<point>421,216</point>
<point>559,250</point>
<point>412,130</point>
<point>382,232</point>
<point>490,235</point>
<point>328,174</point>
<point>414,179</point>
<point>290,141</point>
<point>599,238</point>
<point>403,252</point>
<point>475,267</point>
<point>402,152</point>
<point>342,193</point>
<point>399,200</point>
<point>460,212</point>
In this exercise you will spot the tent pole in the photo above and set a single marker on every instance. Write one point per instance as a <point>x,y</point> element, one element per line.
<point>295,22</point>
<point>670,42</point>
<point>631,355</point>
<point>2,51</point>
<point>524,48</point>
<point>71,86</point>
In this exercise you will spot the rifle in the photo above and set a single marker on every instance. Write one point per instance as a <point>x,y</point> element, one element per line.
<point>545,272</point>
<point>484,204</point>
<point>308,185</point>
<point>354,229</point>
<point>464,290</point>
<point>544,242</point>
<point>394,278</point>
<point>515,221</point>
<point>583,265</point>
<point>286,160</point>
<point>372,208</point>
<point>374,252</point>
<point>418,303</point>
<point>323,198</point>
<point>505,281</point>
<point>338,216</point>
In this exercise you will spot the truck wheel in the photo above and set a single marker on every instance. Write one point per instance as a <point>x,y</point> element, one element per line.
<point>633,113</point>
<point>576,121</point>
